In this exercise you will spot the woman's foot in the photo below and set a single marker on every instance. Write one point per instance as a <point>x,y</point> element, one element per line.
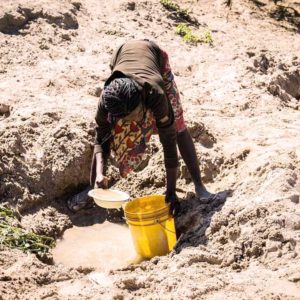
<point>205,196</point>
<point>203,193</point>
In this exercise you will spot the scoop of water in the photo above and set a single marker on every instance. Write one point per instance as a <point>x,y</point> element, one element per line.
<point>105,247</point>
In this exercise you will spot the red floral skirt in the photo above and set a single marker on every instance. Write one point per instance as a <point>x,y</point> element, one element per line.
<point>130,139</point>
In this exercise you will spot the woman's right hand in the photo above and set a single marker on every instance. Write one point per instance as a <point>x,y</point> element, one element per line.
<point>101,182</point>
<point>174,203</point>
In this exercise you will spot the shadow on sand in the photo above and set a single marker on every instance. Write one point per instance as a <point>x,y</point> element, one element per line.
<point>193,220</point>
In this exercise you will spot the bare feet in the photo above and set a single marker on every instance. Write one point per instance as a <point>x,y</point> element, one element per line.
<point>202,192</point>
<point>205,196</point>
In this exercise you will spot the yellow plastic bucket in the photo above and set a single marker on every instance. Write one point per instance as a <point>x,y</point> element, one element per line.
<point>152,228</point>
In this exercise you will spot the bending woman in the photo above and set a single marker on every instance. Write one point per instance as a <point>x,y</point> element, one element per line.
<point>139,99</point>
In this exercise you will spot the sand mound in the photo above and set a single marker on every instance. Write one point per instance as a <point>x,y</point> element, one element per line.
<point>15,16</point>
<point>287,88</point>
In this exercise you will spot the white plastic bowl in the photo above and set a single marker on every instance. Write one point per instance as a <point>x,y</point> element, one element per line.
<point>109,198</point>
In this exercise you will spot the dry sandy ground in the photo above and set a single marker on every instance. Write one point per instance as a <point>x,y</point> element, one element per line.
<point>241,101</point>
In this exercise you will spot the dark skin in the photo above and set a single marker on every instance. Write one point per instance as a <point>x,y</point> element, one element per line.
<point>187,151</point>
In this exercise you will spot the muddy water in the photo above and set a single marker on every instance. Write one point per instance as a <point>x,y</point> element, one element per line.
<point>109,195</point>
<point>103,246</point>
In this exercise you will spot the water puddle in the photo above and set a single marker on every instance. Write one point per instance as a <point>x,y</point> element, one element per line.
<point>105,247</point>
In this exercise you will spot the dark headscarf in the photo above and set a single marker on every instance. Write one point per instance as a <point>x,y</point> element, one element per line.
<point>120,97</point>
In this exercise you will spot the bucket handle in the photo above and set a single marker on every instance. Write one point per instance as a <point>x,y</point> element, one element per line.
<point>157,222</point>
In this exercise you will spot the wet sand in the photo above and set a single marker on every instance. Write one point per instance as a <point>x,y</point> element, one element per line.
<point>104,247</point>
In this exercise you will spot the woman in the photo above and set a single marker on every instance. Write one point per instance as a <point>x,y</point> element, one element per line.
<point>139,99</point>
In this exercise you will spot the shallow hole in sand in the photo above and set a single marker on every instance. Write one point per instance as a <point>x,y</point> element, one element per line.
<point>105,247</point>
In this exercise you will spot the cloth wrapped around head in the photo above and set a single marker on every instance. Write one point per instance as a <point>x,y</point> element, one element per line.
<point>121,96</point>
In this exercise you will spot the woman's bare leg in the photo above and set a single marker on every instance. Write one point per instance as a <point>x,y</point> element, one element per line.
<point>188,153</point>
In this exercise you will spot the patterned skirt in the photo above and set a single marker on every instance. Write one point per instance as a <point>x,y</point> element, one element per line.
<point>130,139</point>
